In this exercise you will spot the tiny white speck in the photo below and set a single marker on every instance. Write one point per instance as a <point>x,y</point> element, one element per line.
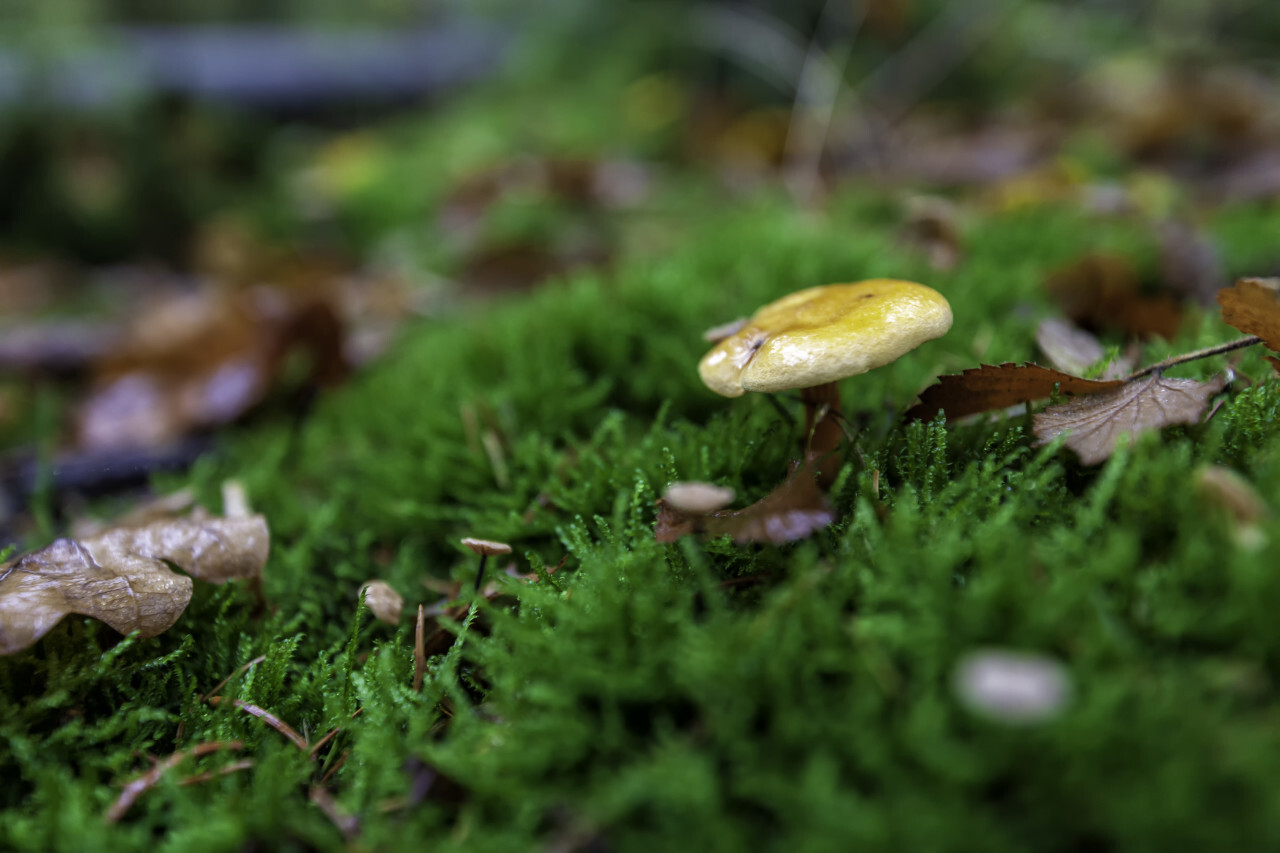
<point>1012,687</point>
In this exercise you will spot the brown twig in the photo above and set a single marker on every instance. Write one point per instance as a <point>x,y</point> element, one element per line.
<point>198,778</point>
<point>419,651</point>
<point>342,759</point>
<point>347,824</point>
<point>223,683</point>
<point>135,789</point>
<point>746,580</point>
<point>1217,349</point>
<point>318,745</point>
<point>270,719</point>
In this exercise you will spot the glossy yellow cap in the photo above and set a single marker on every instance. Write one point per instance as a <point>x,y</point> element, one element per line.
<point>823,334</point>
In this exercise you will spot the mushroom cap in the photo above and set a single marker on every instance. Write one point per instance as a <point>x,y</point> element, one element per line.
<point>486,547</point>
<point>383,601</point>
<point>823,334</point>
<point>698,498</point>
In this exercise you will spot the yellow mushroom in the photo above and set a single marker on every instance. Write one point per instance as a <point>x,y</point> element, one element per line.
<point>813,338</point>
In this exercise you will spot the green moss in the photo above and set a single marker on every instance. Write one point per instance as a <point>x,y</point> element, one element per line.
<point>637,698</point>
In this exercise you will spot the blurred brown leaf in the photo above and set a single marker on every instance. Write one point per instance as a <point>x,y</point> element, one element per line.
<point>584,182</point>
<point>1190,264</point>
<point>932,226</point>
<point>988,387</point>
<point>511,267</point>
<point>1252,305</point>
<point>1102,291</point>
<point>119,576</point>
<point>203,359</point>
<point>1095,423</point>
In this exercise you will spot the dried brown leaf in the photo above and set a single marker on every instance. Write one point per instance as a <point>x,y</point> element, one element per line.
<point>1252,305</point>
<point>1074,350</point>
<point>119,576</point>
<point>1104,291</point>
<point>1095,423</point>
<point>988,387</point>
<point>204,359</point>
<point>932,227</point>
<point>1190,263</point>
<point>1068,347</point>
<point>672,524</point>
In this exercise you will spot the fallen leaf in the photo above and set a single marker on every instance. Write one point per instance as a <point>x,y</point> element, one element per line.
<point>1074,350</point>
<point>204,359</point>
<point>1095,423</point>
<point>932,227</point>
<point>1103,291</point>
<point>988,387</point>
<point>794,510</point>
<point>1068,347</point>
<point>1252,305</point>
<point>513,266</point>
<point>55,348</point>
<point>119,576</point>
<point>1190,263</point>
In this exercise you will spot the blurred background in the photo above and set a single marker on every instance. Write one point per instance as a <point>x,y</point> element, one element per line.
<point>193,193</point>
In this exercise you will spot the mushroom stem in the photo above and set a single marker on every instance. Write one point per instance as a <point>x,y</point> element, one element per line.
<point>822,429</point>
<point>484,558</point>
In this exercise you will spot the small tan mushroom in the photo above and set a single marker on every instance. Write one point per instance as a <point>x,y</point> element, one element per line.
<point>696,498</point>
<point>383,602</point>
<point>811,339</point>
<point>485,548</point>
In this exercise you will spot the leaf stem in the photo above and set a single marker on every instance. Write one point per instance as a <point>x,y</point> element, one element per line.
<point>1217,349</point>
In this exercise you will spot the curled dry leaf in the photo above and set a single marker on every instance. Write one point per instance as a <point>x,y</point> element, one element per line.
<point>119,575</point>
<point>1095,423</point>
<point>1252,305</point>
<point>999,386</point>
<point>794,510</point>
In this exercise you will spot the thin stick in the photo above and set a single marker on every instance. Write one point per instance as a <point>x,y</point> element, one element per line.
<point>245,668</point>
<point>1218,349</point>
<point>419,650</point>
<point>818,90</point>
<point>342,759</point>
<point>270,719</point>
<point>318,745</point>
<point>198,778</point>
<point>347,824</point>
<point>148,780</point>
